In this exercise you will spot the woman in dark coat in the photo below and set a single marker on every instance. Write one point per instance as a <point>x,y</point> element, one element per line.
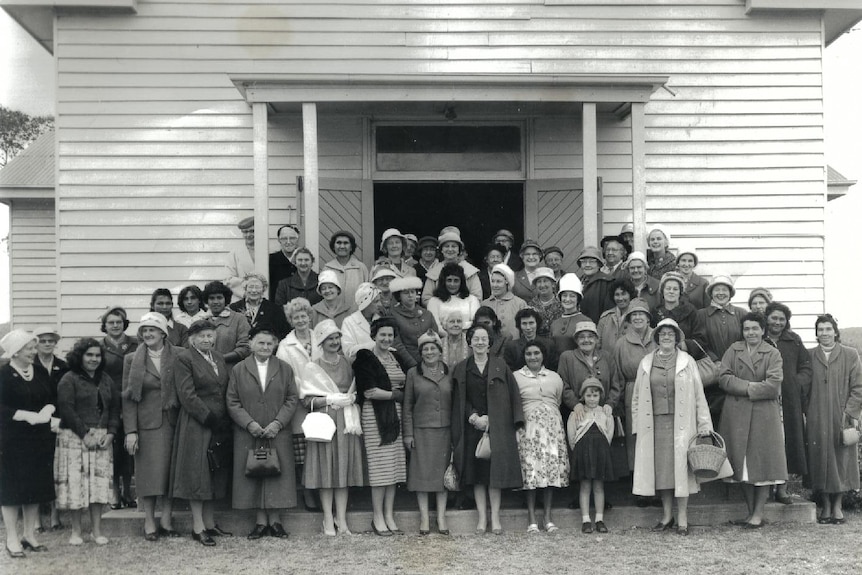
<point>150,408</point>
<point>487,318</point>
<point>261,400</point>
<point>751,373</point>
<point>412,320</point>
<point>257,309</point>
<point>89,412</point>
<point>834,404</point>
<point>231,328</point>
<point>115,345</point>
<point>796,364</point>
<point>27,399</point>
<point>485,397</point>
<point>197,474</point>
<point>302,283</point>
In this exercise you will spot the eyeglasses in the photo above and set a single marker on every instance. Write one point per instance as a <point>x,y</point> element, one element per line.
<point>44,340</point>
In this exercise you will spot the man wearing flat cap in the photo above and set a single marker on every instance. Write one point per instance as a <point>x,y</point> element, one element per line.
<point>240,262</point>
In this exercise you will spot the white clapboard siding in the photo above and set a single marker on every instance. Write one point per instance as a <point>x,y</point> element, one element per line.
<point>155,161</point>
<point>32,256</point>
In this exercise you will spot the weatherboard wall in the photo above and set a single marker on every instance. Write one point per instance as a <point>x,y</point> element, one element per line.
<point>155,141</point>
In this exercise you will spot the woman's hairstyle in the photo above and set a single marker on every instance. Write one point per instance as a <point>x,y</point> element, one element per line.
<point>827,318</point>
<point>304,250</point>
<point>778,306</point>
<point>217,287</point>
<point>382,322</point>
<point>118,311</point>
<point>528,312</point>
<point>264,328</point>
<point>255,276</point>
<point>538,344</point>
<point>75,357</point>
<point>342,234</point>
<point>624,284</point>
<point>472,331</point>
<point>201,325</point>
<point>485,311</point>
<point>160,292</point>
<point>297,305</point>
<point>451,270</point>
<point>756,317</point>
<point>198,294</point>
<point>291,226</point>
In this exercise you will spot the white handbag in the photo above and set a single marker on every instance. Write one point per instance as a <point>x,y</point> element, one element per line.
<point>318,426</point>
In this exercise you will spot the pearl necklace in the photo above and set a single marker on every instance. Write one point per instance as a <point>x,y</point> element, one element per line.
<point>26,373</point>
<point>333,363</point>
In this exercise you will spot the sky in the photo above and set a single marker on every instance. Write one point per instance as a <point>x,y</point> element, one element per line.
<point>27,83</point>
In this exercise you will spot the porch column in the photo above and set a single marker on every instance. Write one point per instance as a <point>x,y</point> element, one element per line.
<point>311,196</point>
<point>261,189</point>
<point>639,176</point>
<point>591,174</point>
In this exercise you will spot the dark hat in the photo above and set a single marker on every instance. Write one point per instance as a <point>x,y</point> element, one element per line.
<point>427,242</point>
<point>528,243</point>
<point>246,223</point>
<point>554,249</point>
<point>505,233</point>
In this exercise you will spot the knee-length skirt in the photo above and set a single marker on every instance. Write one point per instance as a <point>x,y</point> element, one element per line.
<point>336,464</point>
<point>82,476</point>
<point>387,464</point>
<point>153,460</point>
<point>663,451</point>
<point>542,449</point>
<point>592,458</point>
<point>432,449</point>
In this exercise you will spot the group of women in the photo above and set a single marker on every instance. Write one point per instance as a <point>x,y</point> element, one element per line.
<point>423,377</point>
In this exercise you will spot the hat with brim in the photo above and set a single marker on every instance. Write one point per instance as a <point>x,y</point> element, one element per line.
<point>46,330</point>
<point>450,237</point>
<point>506,272</point>
<point>505,233</point>
<point>382,271</point>
<point>668,322</point>
<point>427,242</point>
<point>591,252</point>
<point>325,329</point>
<point>390,233</point>
<point>628,228</point>
<point>720,280</point>
<point>544,273</point>
<point>328,277</point>
<point>429,336</point>
<point>554,250</point>
<point>14,341</point>
<point>637,256</point>
<point>401,284</point>
<point>586,326</point>
<point>528,243</point>
<point>570,282</point>
<point>365,294</point>
<point>762,292</point>
<point>412,238</point>
<point>246,223</point>
<point>690,251</point>
<point>638,304</point>
<point>154,319</point>
<point>591,383</point>
<point>669,277</point>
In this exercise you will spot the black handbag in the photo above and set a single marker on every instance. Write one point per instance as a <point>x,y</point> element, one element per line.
<point>262,461</point>
<point>219,454</point>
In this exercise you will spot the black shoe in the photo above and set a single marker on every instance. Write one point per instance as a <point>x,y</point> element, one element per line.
<point>118,505</point>
<point>37,548</point>
<point>586,527</point>
<point>278,530</point>
<point>383,533</point>
<point>682,531</point>
<point>167,532</point>
<point>15,554</point>
<point>203,538</point>
<point>663,526</point>
<point>601,527</point>
<point>130,503</point>
<point>217,531</point>
<point>784,499</point>
<point>259,531</point>
<point>154,536</point>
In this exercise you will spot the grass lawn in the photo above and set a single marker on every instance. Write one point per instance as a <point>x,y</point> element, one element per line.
<point>775,549</point>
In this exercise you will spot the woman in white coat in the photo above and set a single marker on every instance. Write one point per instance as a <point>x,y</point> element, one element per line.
<point>668,409</point>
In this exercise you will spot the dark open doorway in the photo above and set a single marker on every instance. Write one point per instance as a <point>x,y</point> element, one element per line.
<point>478,208</point>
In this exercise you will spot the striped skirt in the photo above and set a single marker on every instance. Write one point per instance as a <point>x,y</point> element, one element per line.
<point>387,464</point>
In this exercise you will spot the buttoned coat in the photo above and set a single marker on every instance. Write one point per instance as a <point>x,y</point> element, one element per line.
<point>505,416</point>
<point>149,412</point>
<point>836,393</point>
<point>412,323</point>
<point>280,267</point>
<point>114,355</point>
<point>350,275</point>
<point>293,287</point>
<point>523,287</point>
<point>292,352</point>
<point>649,292</point>
<point>695,291</point>
<point>795,387</point>
<point>506,306</point>
<point>514,353</point>
<point>751,419</point>
<point>427,403</point>
<point>574,369</point>
<point>611,327</point>
<point>690,415</point>
<point>320,312</point>
<point>268,313</point>
<point>248,401</point>
<point>598,296</point>
<point>231,337</point>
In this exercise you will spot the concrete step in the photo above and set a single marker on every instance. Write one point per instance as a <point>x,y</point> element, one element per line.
<point>703,512</point>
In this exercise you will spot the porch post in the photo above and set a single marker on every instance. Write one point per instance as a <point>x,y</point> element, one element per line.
<point>591,174</point>
<point>310,193</point>
<point>639,176</point>
<point>261,189</point>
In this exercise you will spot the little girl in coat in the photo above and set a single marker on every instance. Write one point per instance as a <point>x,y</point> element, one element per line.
<point>590,437</point>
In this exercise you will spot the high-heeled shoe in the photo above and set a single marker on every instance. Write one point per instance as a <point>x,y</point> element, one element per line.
<point>381,533</point>
<point>663,526</point>
<point>37,548</point>
<point>217,531</point>
<point>334,532</point>
<point>342,530</point>
<point>203,538</point>
<point>15,554</point>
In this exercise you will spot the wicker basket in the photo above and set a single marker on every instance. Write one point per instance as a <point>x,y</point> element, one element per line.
<point>706,455</point>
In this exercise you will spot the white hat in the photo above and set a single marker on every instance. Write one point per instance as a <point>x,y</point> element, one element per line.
<point>586,326</point>
<point>506,272</point>
<point>365,294</point>
<point>668,322</point>
<point>570,282</point>
<point>687,250</point>
<point>154,319</point>
<point>45,329</point>
<point>328,277</point>
<point>628,228</point>
<point>720,279</point>
<point>450,237</point>
<point>382,271</point>
<point>661,229</point>
<point>325,329</point>
<point>14,341</point>
<point>401,284</point>
<point>390,233</point>
<point>544,273</point>
<point>637,256</point>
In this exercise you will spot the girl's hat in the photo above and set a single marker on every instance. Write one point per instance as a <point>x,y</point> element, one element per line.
<point>720,280</point>
<point>328,277</point>
<point>638,304</point>
<point>365,294</point>
<point>570,282</point>
<point>628,228</point>
<point>154,319</point>
<point>669,277</point>
<point>690,251</point>
<point>544,273</point>
<point>506,272</point>
<point>325,329</point>
<point>14,341</point>
<point>668,322</point>
<point>762,292</point>
<point>585,326</point>
<point>390,233</point>
<point>592,382</point>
